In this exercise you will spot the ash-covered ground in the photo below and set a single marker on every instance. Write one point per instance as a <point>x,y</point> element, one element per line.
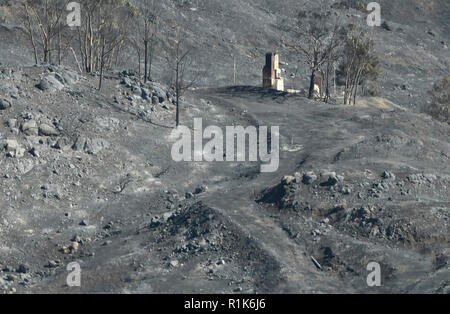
<point>87,176</point>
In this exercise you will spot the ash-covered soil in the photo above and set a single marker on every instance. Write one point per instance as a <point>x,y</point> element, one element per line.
<point>87,176</point>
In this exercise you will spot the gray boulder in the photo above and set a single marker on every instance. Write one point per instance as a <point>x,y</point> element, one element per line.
<point>127,82</point>
<point>388,175</point>
<point>95,146</point>
<point>69,77</point>
<point>79,144</point>
<point>136,91</point>
<point>51,83</point>
<point>4,104</point>
<point>309,178</point>
<point>14,149</point>
<point>30,128</point>
<point>47,130</point>
<point>12,123</point>
<point>90,146</point>
<point>146,94</point>
<point>62,143</point>
<point>159,92</point>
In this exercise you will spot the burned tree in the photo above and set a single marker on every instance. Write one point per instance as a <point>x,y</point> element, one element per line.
<point>111,32</point>
<point>180,61</point>
<point>103,31</point>
<point>42,21</point>
<point>147,28</point>
<point>359,62</point>
<point>316,37</point>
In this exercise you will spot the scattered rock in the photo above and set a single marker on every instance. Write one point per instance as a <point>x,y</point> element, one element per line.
<point>287,180</point>
<point>13,149</point>
<point>388,175</point>
<point>136,91</point>
<point>11,277</point>
<point>127,82</point>
<point>89,146</point>
<point>73,247</point>
<point>52,264</point>
<point>201,189</point>
<point>47,130</point>
<point>309,178</point>
<point>79,144</point>
<point>50,83</point>
<point>30,128</point>
<point>94,146</point>
<point>34,152</point>
<point>12,123</point>
<point>189,195</point>
<point>62,143</point>
<point>386,26</point>
<point>77,239</point>
<point>159,92</point>
<point>346,190</point>
<point>174,263</point>
<point>146,94</point>
<point>23,269</point>
<point>332,180</point>
<point>4,104</point>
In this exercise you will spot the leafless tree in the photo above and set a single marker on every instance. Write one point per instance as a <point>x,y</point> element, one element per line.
<point>316,37</point>
<point>111,32</point>
<point>180,61</point>
<point>28,24</point>
<point>147,29</point>
<point>359,62</point>
<point>101,21</point>
<point>42,21</point>
<point>136,44</point>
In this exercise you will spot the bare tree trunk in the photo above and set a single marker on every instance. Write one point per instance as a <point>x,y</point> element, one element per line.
<point>139,63</point>
<point>358,80</point>
<point>334,79</point>
<point>91,47</point>
<point>30,32</point>
<point>311,84</point>
<point>145,60</point>
<point>34,50</point>
<point>102,62</point>
<point>150,60</point>
<point>327,83</point>
<point>177,87</point>
<point>59,44</point>
<point>234,70</point>
<point>76,59</point>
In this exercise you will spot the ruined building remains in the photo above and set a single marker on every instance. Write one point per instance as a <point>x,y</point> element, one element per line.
<point>272,73</point>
